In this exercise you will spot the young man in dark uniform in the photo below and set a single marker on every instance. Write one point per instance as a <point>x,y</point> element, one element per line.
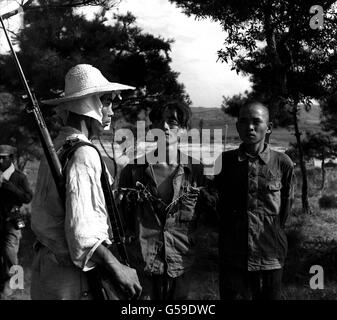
<point>255,189</point>
<point>14,191</point>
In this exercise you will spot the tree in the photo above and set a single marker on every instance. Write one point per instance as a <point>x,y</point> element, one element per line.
<point>232,105</point>
<point>273,41</point>
<point>54,38</point>
<point>329,114</point>
<point>16,130</point>
<point>29,5</point>
<point>319,145</point>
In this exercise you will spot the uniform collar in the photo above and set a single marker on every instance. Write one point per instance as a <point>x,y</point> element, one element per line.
<point>72,133</point>
<point>264,156</point>
<point>8,172</point>
<point>186,166</point>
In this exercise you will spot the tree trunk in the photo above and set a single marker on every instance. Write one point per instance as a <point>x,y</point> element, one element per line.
<point>305,199</point>
<point>323,172</point>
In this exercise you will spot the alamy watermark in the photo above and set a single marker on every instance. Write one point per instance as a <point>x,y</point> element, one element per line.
<point>173,146</point>
<point>16,280</point>
<point>317,20</point>
<point>17,277</point>
<point>317,280</point>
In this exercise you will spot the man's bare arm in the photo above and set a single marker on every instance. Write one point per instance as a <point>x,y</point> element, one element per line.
<point>124,275</point>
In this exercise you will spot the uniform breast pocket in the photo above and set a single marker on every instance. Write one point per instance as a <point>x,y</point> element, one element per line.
<point>272,197</point>
<point>188,203</point>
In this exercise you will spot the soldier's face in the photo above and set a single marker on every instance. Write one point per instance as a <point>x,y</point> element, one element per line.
<point>253,124</point>
<point>107,114</point>
<point>96,128</point>
<point>107,110</point>
<point>169,124</point>
<point>5,162</point>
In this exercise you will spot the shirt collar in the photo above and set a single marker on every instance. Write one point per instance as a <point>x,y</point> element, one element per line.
<point>264,155</point>
<point>186,166</point>
<point>8,172</point>
<point>67,133</point>
<point>72,133</point>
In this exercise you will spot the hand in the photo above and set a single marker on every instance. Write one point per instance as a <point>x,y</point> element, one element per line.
<point>125,276</point>
<point>128,280</point>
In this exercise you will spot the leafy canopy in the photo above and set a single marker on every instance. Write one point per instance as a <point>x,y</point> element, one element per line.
<point>54,38</point>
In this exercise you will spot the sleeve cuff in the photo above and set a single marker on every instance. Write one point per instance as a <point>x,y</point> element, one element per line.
<point>88,263</point>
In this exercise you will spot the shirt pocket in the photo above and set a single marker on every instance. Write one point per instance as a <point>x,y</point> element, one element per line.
<point>272,197</point>
<point>188,203</point>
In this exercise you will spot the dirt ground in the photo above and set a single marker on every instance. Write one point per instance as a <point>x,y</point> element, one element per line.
<point>204,283</point>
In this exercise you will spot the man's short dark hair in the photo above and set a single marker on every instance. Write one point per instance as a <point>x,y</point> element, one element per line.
<point>251,102</point>
<point>183,112</point>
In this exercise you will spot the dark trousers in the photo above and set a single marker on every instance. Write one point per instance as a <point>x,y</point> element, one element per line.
<point>165,288</point>
<point>238,284</point>
<point>9,243</point>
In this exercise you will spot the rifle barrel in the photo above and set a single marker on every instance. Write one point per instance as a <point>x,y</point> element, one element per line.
<point>47,144</point>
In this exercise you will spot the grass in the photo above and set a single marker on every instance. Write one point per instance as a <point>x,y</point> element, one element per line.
<point>205,281</point>
<point>312,240</point>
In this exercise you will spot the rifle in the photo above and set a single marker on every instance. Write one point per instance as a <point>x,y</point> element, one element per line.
<point>108,291</point>
<point>33,107</point>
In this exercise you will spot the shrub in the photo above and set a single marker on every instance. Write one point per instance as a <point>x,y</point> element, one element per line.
<point>327,202</point>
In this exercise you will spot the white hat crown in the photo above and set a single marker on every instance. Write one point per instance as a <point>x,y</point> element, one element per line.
<point>84,80</point>
<point>83,77</point>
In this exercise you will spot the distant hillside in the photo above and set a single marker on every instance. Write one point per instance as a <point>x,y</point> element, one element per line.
<point>214,118</point>
<point>311,118</point>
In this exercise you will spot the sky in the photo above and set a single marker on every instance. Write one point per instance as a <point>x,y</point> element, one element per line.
<point>194,52</point>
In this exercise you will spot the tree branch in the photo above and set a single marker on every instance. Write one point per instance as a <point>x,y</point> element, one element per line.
<point>270,36</point>
<point>73,4</point>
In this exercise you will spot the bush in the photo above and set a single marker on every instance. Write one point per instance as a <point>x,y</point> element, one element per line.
<point>327,202</point>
